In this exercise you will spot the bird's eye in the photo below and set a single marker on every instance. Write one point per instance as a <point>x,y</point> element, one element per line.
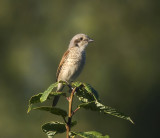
<point>81,38</point>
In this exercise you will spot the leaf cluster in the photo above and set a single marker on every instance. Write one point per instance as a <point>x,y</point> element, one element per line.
<point>89,100</point>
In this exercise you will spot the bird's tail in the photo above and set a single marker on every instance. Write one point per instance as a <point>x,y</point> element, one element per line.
<point>55,101</point>
<point>56,98</point>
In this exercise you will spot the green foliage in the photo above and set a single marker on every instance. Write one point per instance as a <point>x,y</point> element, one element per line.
<point>53,110</point>
<point>89,134</point>
<point>96,106</point>
<point>53,128</point>
<point>47,92</point>
<point>85,92</point>
<point>90,101</point>
<point>34,99</point>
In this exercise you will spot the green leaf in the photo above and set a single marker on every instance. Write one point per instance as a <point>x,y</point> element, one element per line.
<point>34,99</point>
<point>96,106</point>
<point>53,128</point>
<point>53,110</point>
<point>57,93</point>
<point>85,92</point>
<point>89,134</point>
<point>90,89</point>
<point>76,84</point>
<point>90,105</point>
<point>83,96</point>
<point>48,91</point>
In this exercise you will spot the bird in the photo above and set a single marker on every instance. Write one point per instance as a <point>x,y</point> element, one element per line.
<point>72,62</point>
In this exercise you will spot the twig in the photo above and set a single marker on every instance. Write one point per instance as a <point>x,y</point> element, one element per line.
<point>75,110</point>
<point>64,120</point>
<point>68,125</point>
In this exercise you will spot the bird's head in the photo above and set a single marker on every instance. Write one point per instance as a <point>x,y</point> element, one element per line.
<point>80,40</point>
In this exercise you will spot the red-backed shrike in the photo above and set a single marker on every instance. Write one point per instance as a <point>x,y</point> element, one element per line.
<point>72,62</point>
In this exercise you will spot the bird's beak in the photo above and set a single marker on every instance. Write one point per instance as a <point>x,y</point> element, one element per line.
<point>90,40</point>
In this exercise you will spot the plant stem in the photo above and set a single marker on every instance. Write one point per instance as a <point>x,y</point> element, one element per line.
<point>68,125</point>
<point>75,110</point>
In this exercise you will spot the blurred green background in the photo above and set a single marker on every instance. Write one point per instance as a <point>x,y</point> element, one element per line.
<point>122,63</point>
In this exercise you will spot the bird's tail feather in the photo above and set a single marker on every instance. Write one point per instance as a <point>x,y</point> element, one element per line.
<point>56,98</point>
<point>55,101</point>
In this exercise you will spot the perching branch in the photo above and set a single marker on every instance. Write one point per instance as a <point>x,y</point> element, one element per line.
<point>70,100</point>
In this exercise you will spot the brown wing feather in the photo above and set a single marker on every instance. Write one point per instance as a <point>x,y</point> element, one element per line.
<point>61,63</point>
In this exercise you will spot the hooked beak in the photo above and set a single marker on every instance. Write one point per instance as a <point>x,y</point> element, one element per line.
<point>90,40</point>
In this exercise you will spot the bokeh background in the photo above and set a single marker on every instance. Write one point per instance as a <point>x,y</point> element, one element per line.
<point>122,63</point>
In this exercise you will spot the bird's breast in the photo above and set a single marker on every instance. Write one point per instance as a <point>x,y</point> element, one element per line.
<point>76,58</point>
<point>72,66</point>
<point>76,63</point>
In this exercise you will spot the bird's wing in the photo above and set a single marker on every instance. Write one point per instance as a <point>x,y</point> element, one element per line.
<point>65,56</point>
